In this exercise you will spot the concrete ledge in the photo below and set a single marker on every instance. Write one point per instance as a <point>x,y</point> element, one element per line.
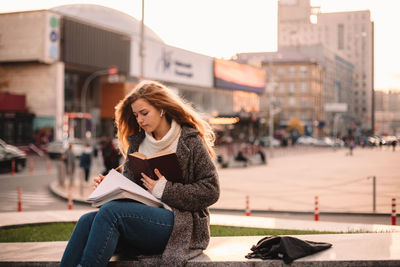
<point>376,249</point>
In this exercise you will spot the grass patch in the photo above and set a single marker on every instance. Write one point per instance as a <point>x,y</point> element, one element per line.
<point>63,231</point>
<point>37,232</point>
<point>218,230</point>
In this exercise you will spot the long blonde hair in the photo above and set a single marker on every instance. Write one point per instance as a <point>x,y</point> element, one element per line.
<point>163,98</point>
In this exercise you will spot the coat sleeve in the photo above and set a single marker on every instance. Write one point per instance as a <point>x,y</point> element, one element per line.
<point>203,189</point>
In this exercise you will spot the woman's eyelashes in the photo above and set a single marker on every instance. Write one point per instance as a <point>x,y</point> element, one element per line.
<point>141,113</point>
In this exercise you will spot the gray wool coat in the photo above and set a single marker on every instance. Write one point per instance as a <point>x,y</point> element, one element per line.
<point>189,200</point>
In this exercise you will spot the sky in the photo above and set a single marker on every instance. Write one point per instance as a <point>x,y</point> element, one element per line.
<point>222,28</point>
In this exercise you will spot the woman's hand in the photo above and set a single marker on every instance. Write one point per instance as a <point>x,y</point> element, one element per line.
<point>98,180</point>
<point>150,183</point>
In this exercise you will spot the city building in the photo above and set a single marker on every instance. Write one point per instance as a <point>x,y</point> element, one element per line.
<point>297,88</point>
<point>350,35</point>
<point>68,67</point>
<point>336,117</point>
<point>387,112</point>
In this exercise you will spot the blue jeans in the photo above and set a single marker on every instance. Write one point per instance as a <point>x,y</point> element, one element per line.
<point>96,235</point>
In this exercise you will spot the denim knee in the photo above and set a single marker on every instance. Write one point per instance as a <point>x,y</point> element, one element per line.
<point>107,212</point>
<point>87,219</point>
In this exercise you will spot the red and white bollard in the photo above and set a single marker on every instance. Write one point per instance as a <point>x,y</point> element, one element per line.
<point>247,205</point>
<point>316,210</point>
<point>70,199</point>
<point>48,165</point>
<point>31,165</point>
<point>393,211</point>
<point>19,199</point>
<point>13,167</point>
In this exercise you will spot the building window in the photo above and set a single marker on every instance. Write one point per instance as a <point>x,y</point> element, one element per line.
<point>340,36</point>
<point>303,102</point>
<point>292,101</point>
<point>281,71</point>
<point>281,87</point>
<point>303,70</point>
<point>292,71</point>
<point>292,87</point>
<point>303,87</point>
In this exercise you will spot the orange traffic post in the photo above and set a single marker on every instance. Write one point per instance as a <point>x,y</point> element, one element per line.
<point>247,205</point>
<point>19,199</point>
<point>316,210</point>
<point>31,165</point>
<point>48,164</point>
<point>393,211</point>
<point>70,201</point>
<point>13,167</point>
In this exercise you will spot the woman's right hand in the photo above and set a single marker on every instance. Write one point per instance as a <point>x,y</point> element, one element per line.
<point>98,180</point>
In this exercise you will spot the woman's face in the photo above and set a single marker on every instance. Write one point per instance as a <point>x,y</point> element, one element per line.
<point>147,116</point>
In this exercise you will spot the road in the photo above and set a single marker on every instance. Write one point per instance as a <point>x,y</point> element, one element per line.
<point>34,181</point>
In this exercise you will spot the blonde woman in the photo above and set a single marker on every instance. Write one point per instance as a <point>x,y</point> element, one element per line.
<point>150,119</point>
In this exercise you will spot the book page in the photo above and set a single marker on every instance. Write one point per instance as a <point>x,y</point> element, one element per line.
<point>161,153</point>
<point>115,181</point>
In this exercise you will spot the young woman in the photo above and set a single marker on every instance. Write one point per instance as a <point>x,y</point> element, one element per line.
<point>150,119</point>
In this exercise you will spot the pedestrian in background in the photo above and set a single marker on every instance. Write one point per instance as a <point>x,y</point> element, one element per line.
<point>351,146</point>
<point>261,153</point>
<point>241,156</point>
<point>86,161</point>
<point>69,159</point>
<point>394,143</point>
<point>110,156</point>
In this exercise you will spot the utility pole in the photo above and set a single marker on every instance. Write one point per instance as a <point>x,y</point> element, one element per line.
<point>142,44</point>
<point>270,87</point>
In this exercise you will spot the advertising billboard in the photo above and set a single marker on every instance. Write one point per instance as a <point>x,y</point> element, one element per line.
<point>171,64</point>
<point>234,76</point>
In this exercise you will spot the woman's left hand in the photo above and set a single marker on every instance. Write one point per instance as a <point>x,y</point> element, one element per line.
<point>148,182</point>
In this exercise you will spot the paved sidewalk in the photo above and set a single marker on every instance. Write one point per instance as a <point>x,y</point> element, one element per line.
<point>342,183</point>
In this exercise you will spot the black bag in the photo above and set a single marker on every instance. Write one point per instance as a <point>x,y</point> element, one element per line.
<point>286,248</point>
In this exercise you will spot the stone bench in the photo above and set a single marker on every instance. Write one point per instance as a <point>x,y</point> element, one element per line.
<point>372,249</point>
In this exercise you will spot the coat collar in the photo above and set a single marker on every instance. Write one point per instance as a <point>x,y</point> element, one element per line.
<point>136,139</point>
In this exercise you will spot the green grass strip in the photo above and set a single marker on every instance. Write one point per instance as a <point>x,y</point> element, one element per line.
<point>217,230</point>
<point>37,232</point>
<point>62,232</point>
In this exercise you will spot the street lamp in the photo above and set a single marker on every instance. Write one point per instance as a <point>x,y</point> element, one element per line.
<point>84,94</point>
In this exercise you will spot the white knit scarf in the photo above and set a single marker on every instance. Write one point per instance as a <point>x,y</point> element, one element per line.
<point>150,145</point>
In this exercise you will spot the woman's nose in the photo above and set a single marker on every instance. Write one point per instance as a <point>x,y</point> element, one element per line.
<point>139,119</point>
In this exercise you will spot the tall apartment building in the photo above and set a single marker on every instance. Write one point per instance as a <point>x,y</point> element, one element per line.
<point>387,112</point>
<point>348,34</point>
<point>298,86</point>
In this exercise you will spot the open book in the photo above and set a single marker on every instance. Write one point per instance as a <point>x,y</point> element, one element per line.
<point>165,161</point>
<point>117,186</point>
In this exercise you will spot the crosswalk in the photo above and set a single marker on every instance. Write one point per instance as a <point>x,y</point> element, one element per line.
<point>31,200</point>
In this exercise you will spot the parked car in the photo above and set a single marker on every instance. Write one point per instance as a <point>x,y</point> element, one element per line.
<point>325,142</point>
<point>56,149</point>
<point>8,153</point>
<point>265,142</point>
<point>306,140</point>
